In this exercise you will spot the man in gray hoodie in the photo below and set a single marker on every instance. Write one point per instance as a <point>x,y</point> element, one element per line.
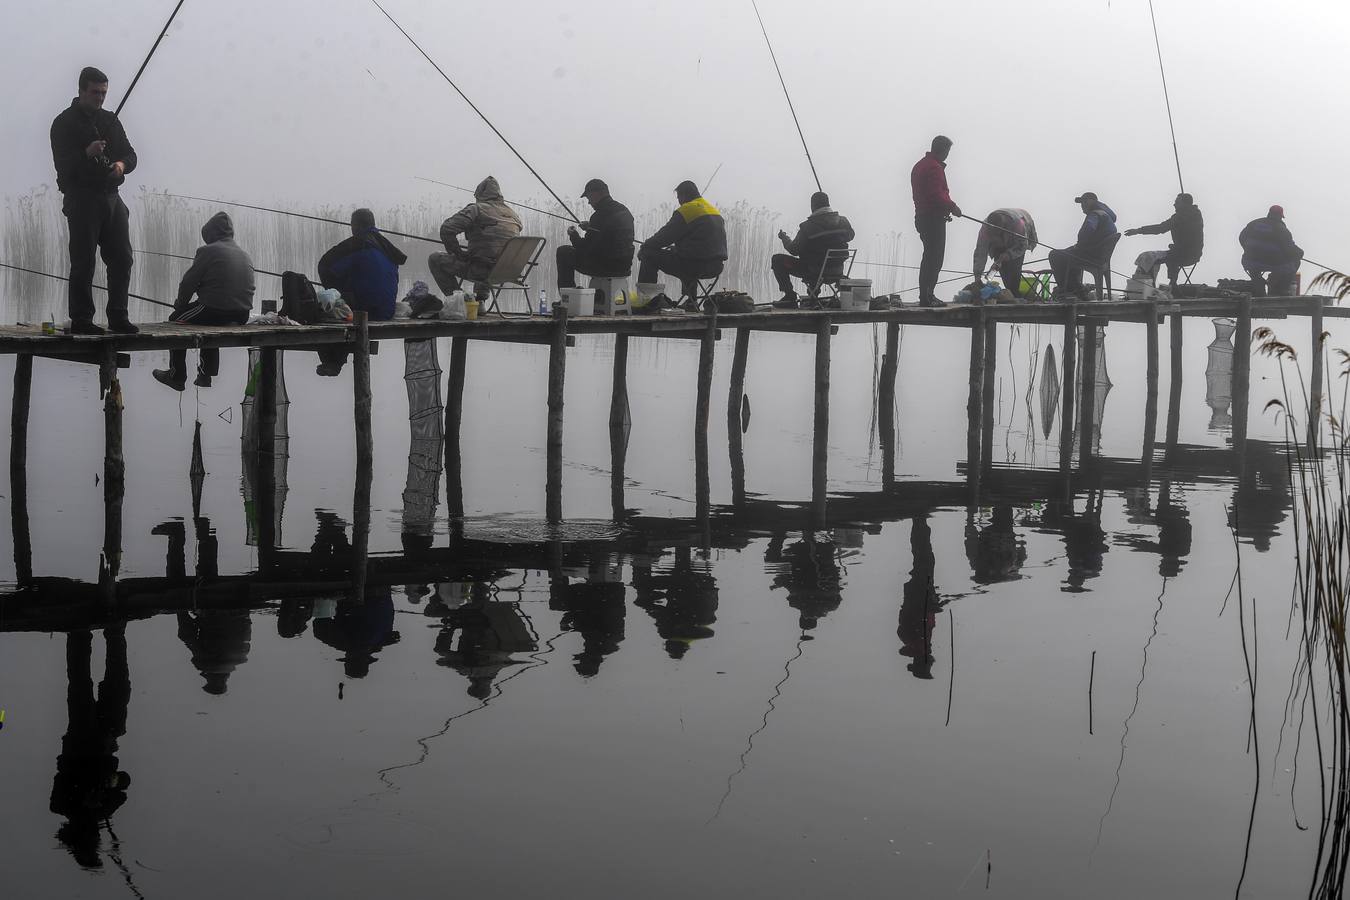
<point>487,224</point>
<point>221,277</point>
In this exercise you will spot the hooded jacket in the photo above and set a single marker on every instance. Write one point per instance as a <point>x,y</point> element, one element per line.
<point>1095,234</point>
<point>696,230</point>
<point>73,130</point>
<point>364,268</point>
<point>608,239</point>
<point>487,223</point>
<point>997,242</point>
<point>1267,243</point>
<point>1187,226</point>
<point>221,274</point>
<point>823,230</point>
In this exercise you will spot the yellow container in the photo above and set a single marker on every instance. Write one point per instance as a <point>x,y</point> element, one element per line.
<point>471,309</point>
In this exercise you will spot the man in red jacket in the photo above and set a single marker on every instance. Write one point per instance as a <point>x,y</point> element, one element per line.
<point>933,208</point>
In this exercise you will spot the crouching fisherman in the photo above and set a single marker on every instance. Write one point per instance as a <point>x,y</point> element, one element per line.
<point>364,269</point>
<point>809,252</point>
<point>487,224</point>
<point>221,278</point>
<point>1006,236</point>
<point>1267,246</point>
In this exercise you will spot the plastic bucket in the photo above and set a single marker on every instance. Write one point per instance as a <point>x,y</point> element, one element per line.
<point>579,301</point>
<point>471,309</point>
<point>855,293</point>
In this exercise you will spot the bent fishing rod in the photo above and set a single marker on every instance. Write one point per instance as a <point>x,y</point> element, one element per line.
<point>788,96</point>
<point>192,258</point>
<point>507,202</point>
<point>99,286</point>
<point>1038,241</point>
<point>1166,98</point>
<point>474,107</point>
<point>146,62</point>
<point>286,212</point>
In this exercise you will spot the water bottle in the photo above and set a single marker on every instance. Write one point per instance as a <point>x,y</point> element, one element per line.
<point>543,302</point>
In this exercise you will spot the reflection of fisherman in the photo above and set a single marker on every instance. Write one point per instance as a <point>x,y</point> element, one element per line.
<point>219,641</point>
<point>1174,528</point>
<point>683,603</point>
<point>596,612</point>
<point>88,787</point>
<point>919,609</point>
<point>360,630</point>
<point>811,577</point>
<point>1084,539</point>
<point>995,552</point>
<point>489,633</point>
<point>1261,499</point>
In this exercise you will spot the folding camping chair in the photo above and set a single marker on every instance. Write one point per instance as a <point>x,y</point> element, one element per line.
<point>694,291</point>
<point>838,265</point>
<point>512,269</point>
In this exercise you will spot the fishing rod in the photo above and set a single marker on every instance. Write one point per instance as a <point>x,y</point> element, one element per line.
<point>479,111</point>
<point>1038,241</point>
<point>899,266</point>
<point>1166,98</point>
<point>709,182</point>
<point>508,202</point>
<point>285,212</point>
<point>146,62</point>
<point>99,286</point>
<point>792,108</point>
<point>192,258</point>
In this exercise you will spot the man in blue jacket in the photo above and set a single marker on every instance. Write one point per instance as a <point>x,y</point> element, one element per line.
<point>1096,239</point>
<point>364,268</point>
<point>1267,246</point>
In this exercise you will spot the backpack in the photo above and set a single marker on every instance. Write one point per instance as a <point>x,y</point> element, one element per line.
<point>298,299</point>
<point>732,302</point>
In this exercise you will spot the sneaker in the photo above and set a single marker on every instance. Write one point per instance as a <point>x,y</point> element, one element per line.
<point>832,303</point>
<point>879,304</point>
<point>931,302</point>
<point>202,380</point>
<point>327,370</point>
<point>123,327</point>
<point>810,303</point>
<point>689,304</point>
<point>789,301</point>
<point>165,377</point>
<point>83,326</point>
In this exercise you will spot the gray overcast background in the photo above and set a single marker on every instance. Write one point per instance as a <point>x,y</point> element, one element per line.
<point>323,101</point>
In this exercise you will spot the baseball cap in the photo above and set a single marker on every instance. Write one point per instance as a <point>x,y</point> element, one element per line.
<point>1086,195</point>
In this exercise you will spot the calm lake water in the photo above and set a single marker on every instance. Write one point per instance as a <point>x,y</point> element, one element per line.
<point>1045,695</point>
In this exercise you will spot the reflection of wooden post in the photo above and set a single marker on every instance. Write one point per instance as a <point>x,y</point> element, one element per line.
<point>1174,388</point>
<point>890,364</point>
<point>702,490</point>
<point>114,477</point>
<point>365,437</point>
<point>619,425</point>
<point>1242,370</point>
<point>1087,430</point>
<point>557,374</point>
<point>18,468</point>
<point>1315,393</point>
<point>361,528</point>
<point>1151,397</point>
<point>735,398</point>
<point>987,393</point>
<point>820,449</point>
<point>1067,382</point>
<point>264,461</point>
<point>975,402</point>
<point>454,414</point>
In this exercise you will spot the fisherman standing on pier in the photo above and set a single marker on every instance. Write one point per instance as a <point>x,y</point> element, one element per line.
<point>1096,239</point>
<point>1267,246</point>
<point>692,245</point>
<point>1187,227</point>
<point>933,209</point>
<point>1006,235</point>
<point>606,249</point>
<point>487,224</point>
<point>221,277</point>
<point>807,253</point>
<point>93,157</point>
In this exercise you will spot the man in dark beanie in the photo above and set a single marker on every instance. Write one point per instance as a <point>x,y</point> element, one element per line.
<point>364,268</point>
<point>1187,227</point>
<point>807,254</point>
<point>93,157</point>
<point>692,245</point>
<point>606,248</point>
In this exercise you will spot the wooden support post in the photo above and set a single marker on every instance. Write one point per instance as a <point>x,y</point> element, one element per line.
<point>1174,389</point>
<point>1315,410</point>
<point>1068,381</point>
<point>365,436</point>
<point>1242,369</point>
<point>114,478</point>
<point>1087,431</point>
<point>618,397</point>
<point>735,400</point>
<point>620,424</point>
<point>454,414</point>
<point>975,403</point>
<point>18,469</point>
<point>1151,396</point>
<point>890,364</point>
<point>703,404</point>
<point>557,374</point>
<point>264,462</point>
<point>987,393</point>
<point>361,527</point>
<point>820,441</point>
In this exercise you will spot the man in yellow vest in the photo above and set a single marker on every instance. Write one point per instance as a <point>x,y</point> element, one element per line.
<point>692,245</point>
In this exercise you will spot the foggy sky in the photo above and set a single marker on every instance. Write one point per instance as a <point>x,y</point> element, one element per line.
<point>323,101</point>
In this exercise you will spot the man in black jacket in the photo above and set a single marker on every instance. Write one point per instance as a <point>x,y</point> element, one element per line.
<point>823,231</point>
<point>692,245</point>
<point>1187,226</point>
<point>606,249</point>
<point>93,157</point>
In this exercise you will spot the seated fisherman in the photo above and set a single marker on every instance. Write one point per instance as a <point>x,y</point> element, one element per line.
<point>824,230</point>
<point>221,277</point>
<point>1267,246</point>
<point>1006,235</point>
<point>1093,247</point>
<point>606,248</point>
<point>1187,227</point>
<point>364,268</point>
<point>487,224</point>
<point>692,245</point>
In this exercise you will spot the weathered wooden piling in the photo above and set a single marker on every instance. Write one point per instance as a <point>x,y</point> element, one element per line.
<point>987,393</point>
<point>890,364</point>
<point>18,468</point>
<point>618,397</point>
<point>454,417</point>
<point>365,435</point>
<point>735,399</point>
<point>1068,378</point>
<point>114,476</point>
<point>557,376</point>
<point>620,424</point>
<point>1150,396</point>
<point>1242,369</point>
<point>1315,389</point>
<point>702,405</point>
<point>1174,389</point>
<point>820,439</point>
<point>1087,429</point>
<point>975,402</point>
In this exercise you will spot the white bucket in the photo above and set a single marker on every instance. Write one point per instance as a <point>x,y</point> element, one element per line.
<point>855,293</point>
<point>579,301</point>
<point>1139,289</point>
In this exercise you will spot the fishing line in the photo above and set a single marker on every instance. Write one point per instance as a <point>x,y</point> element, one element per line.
<point>284,212</point>
<point>508,144</point>
<point>146,62</point>
<point>99,286</point>
<point>507,202</point>
<point>1166,98</point>
<point>192,258</point>
<point>788,96</point>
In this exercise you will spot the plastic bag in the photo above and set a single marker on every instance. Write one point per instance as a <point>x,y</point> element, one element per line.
<point>328,298</point>
<point>453,310</point>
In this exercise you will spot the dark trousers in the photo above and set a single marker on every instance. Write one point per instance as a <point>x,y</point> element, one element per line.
<point>784,266</point>
<point>98,222</point>
<point>668,261</point>
<point>1281,281</point>
<point>208,358</point>
<point>932,229</point>
<point>572,260</point>
<point>1175,264</point>
<point>1011,273</point>
<point>1068,270</point>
